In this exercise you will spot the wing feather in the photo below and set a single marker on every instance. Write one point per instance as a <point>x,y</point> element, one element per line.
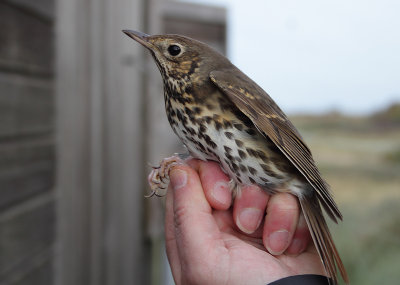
<point>269,119</point>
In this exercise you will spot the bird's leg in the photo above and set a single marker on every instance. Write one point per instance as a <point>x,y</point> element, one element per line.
<point>159,177</point>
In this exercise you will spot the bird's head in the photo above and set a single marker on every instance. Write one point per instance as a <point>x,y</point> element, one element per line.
<point>180,58</point>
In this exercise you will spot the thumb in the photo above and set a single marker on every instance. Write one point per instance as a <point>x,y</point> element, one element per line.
<point>195,227</point>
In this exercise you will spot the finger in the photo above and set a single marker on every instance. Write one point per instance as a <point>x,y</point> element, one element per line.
<point>301,238</point>
<point>249,208</point>
<point>280,222</point>
<point>195,226</point>
<point>215,185</point>
<point>170,241</point>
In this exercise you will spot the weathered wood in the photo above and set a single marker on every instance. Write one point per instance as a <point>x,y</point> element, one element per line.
<point>26,42</point>
<point>26,169</point>
<point>108,129</point>
<point>26,106</point>
<point>42,8</point>
<point>204,23</point>
<point>27,162</point>
<point>100,176</point>
<point>35,269</point>
<point>26,230</point>
<point>41,275</point>
<point>209,15</point>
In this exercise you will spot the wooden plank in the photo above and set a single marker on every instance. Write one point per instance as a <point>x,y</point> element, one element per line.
<point>27,162</point>
<point>26,169</point>
<point>128,253</point>
<point>26,230</point>
<point>43,8</point>
<point>41,275</point>
<point>100,164</point>
<point>202,22</point>
<point>27,42</point>
<point>35,269</point>
<point>210,15</point>
<point>26,106</point>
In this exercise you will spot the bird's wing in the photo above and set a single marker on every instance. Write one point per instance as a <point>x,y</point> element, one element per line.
<point>269,119</point>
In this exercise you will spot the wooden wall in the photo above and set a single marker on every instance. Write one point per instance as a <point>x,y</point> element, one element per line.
<point>100,173</point>
<point>27,156</point>
<point>74,149</point>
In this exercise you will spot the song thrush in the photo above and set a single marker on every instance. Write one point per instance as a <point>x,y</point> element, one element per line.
<point>222,115</point>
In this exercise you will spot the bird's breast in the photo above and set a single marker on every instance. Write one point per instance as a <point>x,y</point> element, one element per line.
<point>214,129</point>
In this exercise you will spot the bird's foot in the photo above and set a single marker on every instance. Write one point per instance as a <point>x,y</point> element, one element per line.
<point>159,177</point>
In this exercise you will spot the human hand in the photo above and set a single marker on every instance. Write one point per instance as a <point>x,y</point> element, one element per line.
<point>209,243</point>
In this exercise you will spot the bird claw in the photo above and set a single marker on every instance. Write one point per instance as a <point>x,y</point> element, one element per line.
<point>158,178</point>
<point>153,193</point>
<point>153,166</point>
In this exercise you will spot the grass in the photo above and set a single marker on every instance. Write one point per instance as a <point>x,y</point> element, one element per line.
<point>360,159</point>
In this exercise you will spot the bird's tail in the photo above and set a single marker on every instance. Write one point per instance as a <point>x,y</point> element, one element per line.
<point>322,238</point>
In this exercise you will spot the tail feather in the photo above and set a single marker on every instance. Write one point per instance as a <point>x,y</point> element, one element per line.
<point>322,238</point>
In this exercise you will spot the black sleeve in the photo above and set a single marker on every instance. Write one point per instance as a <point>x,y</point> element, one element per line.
<point>306,279</point>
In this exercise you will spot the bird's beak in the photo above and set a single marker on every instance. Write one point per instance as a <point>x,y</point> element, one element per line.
<point>140,37</point>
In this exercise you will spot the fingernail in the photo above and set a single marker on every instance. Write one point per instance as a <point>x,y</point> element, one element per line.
<point>178,178</point>
<point>249,219</point>
<point>278,241</point>
<point>220,192</point>
<point>296,247</point>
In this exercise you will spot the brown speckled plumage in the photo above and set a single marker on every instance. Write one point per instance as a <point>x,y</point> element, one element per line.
<point>222,115</point>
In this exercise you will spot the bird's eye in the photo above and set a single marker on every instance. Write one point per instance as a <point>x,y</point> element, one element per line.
<point>174,50</point>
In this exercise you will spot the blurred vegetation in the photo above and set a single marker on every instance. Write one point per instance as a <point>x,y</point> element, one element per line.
<point>389,117</point>
<point>393,156</point>
<point>360,159</point>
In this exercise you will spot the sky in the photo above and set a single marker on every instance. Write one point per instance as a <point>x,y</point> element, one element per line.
<point>315,56</point>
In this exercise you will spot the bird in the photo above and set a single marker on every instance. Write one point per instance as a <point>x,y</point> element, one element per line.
<point>222,115</point>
